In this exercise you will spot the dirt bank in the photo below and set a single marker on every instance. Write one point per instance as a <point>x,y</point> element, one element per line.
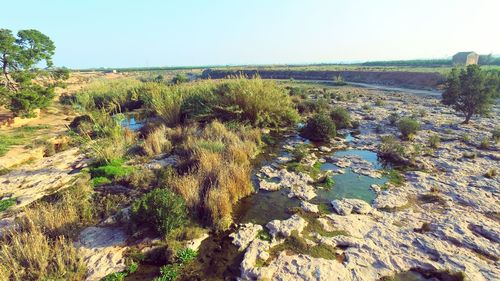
<point>414,80</point>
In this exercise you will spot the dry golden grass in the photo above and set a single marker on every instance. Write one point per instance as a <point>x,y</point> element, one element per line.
<point>31,255</point>
<point>40,248</point>
<point>218,170</point>
<point>156,142</point>
<point>62,217</point>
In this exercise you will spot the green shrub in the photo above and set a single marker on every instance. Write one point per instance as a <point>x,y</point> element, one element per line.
<point>393,118</point>
<point>261,102</point>
<point>340,117</point>
<point>319,128</point>
<point>186,255</point>
<point>395,177</point>
<point>379,102</point>
<point>312,106</point>
<point>168,272</point>
<point>495,135</point>
<point>408,127</point>
<point>300,152</point>
<point>434,141</point>
<point>7,203</point>
<point>491,173</point>
<point>28,98</point>
<point>484,144</point>
<point>392,149</point>
<point>161,209</point>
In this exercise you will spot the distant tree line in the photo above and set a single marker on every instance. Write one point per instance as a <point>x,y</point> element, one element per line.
<point>483,60</point>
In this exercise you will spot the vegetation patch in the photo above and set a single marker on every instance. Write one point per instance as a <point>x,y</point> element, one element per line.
<point>408,127</point>
<point>120,276</point>
<point>299,245</point>
<point>107,173</point>
<point>319,128</point>
<point>160,209</point>
<point>341,117</point>
<point>7,203</point>
<point>45,232</point>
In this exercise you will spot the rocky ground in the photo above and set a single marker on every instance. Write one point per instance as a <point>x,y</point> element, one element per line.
<point>443,218</point>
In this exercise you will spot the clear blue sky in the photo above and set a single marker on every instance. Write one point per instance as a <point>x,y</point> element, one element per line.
<point>122,33</point>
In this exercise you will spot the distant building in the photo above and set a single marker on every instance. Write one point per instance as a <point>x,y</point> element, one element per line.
<point>465,58</point>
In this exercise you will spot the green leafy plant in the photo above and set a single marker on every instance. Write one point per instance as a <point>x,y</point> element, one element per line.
<point>319,128</point>
<point>168,272</point>
<point>340,117</point>
<point>161,209</point>
<point>408,127</point>
<point>7,203</point>
<point>434,141</point>
<point>186,255</point>
<point>471,91</point>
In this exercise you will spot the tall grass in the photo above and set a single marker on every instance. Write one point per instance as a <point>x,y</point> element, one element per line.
<point>111,95</point>
<point>104,138</point>
<point>40,247</point>
<point>255,101</point>
<point>214,172</point>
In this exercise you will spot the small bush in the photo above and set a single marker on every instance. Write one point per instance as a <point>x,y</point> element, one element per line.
<point>469,155</point>
<point>311,106</point>
<point>395,177</point>
<point>186,255</point>
<point>161,209</point>
<point>319,128</point>
<point>7,203</point>
<point>485,144</point>
<point>168,272</point>
<point>393,118</point>
<point>340,117</point>
<point>379,102</point>
<point>28,98</point>
<point>434,141</point>
<point>466,138</point>
<point>408,127</point>
<point>392,149</point>
<point>495,135</point>
<point>300,152</point>
<point>156,142</point>
<point>491,173</point>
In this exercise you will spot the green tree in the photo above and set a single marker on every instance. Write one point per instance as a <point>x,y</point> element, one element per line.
<point>471,91</point>
<point>19,57</point>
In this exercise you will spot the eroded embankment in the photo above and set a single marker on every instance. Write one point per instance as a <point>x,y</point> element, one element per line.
<point>414,80</point>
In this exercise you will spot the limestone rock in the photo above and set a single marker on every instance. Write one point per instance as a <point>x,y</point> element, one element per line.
<point>245,235</point>
<point>309,207</point>
<point>103,250</point>
<point>285,227</point>
<point>347,206</point>
<point>195,244</point>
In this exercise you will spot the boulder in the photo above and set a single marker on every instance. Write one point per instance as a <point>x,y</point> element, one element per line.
<point>348,206</point>
<point>245,235</point>
<point>285,227</point>
<point>309,207</point>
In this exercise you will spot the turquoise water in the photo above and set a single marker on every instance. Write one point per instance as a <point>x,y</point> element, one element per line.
<point>131,123</point>
<point>350,184</point>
